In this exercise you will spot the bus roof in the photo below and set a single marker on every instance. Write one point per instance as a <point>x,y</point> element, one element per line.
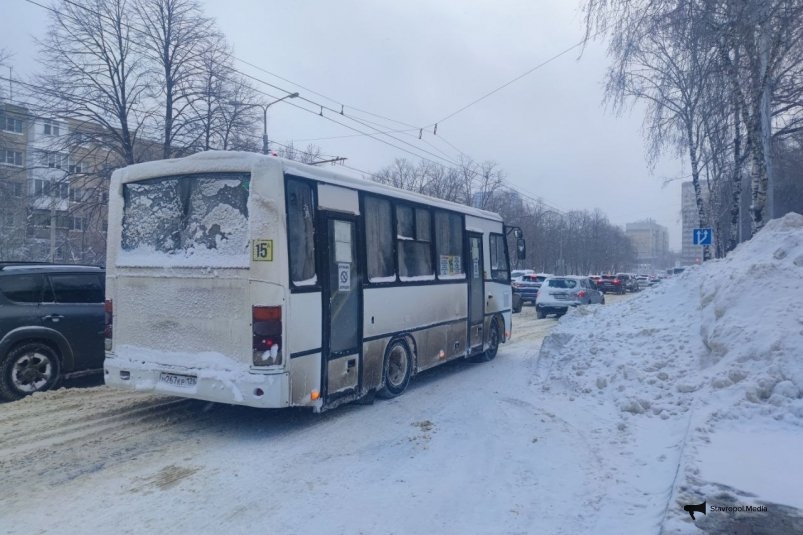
<point>236,161</point>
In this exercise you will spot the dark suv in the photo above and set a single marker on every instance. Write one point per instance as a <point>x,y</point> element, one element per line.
<point>51,325</point>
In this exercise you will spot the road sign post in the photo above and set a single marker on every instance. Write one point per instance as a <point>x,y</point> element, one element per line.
<point>703,236</point>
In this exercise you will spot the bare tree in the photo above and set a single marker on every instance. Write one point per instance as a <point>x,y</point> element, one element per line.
<point>750,47</point>
<point>179,42</point>
<point>94,74</point>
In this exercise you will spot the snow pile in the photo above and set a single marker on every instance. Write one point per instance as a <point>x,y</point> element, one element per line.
<point>728,334</point>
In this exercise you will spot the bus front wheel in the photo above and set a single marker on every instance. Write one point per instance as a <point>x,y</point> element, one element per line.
<point>494,339</point>
<point>398,369</point>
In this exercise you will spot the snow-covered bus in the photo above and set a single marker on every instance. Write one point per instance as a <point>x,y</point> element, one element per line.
<point>247,279</point>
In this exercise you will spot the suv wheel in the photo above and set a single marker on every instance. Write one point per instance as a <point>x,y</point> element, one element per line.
<point>28,368</point>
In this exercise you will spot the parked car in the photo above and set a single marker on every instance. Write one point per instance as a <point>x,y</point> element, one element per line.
<point>527,286</point>
<point>628,281</point>
<point>51,325</point>
<point>611,283</point>
<point>644,281</point>
<point>557,294</point>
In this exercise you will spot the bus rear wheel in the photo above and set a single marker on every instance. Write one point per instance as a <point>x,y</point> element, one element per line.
<point>398,369</point>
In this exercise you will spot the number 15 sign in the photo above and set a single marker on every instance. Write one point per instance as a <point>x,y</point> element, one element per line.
<point>703,236</point>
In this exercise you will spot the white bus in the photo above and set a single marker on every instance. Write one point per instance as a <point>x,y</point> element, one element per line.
<point>247,279</point>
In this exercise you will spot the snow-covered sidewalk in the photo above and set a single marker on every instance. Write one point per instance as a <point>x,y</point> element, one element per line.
<point>700,378</point>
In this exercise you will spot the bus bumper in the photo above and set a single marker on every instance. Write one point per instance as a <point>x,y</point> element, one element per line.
<point>261,389</point>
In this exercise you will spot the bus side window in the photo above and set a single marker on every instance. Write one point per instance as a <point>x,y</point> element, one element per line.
<point>499,268</point>
<point>301,232</point>
<point>414,235</point>
<point>449,245</point>
<point>379,240</point>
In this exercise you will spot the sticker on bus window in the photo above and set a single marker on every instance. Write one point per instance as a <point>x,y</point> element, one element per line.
<point>343,277</point>
<point>450,265</point>
<point>262,250</point>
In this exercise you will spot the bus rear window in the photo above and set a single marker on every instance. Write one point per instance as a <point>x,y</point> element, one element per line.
<point>191,217</point>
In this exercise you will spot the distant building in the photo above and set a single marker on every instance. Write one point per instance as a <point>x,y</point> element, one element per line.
<point>651,242</point>
<point>53,190</point>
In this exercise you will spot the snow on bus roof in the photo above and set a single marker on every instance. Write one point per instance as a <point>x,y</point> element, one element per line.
<point>238,161</point>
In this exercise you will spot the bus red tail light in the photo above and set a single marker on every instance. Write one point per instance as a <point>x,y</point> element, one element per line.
<point>267,335</point>
<point>108,314</point>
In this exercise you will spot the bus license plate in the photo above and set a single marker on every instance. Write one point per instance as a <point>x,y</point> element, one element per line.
<point>181,381</point>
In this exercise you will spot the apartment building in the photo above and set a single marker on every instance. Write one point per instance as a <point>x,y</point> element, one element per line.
<point>53,190</point>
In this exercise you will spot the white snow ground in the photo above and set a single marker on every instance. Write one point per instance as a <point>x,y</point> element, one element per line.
<point>687,392</point>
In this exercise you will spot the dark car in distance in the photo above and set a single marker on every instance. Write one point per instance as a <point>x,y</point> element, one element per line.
<point>526,287</point>
<point>611,283</point>
<point>51,325</point>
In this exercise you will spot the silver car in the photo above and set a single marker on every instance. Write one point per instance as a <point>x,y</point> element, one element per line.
<point>557,294</point>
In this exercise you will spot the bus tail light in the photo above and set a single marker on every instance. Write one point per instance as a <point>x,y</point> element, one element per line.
<point>108,319</point>
<point>267,335</point>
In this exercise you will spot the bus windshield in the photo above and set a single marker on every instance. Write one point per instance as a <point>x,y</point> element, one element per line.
<point>188,217</point>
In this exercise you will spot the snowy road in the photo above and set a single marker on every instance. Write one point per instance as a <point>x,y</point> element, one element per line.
<point>470,448</point>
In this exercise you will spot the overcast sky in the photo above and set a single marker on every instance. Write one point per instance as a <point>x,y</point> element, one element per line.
<point>418,62</point>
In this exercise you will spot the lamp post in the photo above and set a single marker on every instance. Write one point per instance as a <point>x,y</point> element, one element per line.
<point>265,117</point>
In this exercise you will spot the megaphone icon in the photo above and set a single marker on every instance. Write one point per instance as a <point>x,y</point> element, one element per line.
<point>700,507</point>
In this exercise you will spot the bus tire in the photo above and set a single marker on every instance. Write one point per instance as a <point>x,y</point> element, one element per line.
<point>397,370</point>
<point>494,339</point>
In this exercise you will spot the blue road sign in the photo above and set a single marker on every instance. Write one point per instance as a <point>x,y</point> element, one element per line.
<point>703,236</point>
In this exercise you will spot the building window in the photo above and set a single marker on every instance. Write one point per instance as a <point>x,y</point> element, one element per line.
<point>11,157</point>
<point>41,187</point>
<point>51,128</point>
<point>78,223</point>
<point>56,160</point>
<point>74,168</point>
<point>10,124</point>
<point>41,219</point>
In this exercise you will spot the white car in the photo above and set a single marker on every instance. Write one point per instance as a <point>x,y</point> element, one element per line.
<point>557,294</point>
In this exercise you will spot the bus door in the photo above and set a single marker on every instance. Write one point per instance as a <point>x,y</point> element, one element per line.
<point>342,303</point>
<point>476,293</point>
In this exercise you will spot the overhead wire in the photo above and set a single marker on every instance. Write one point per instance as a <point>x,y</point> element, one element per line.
<point>365,123</point>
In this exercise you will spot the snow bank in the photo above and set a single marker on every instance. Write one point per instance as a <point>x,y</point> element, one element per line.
<point>728,334</point>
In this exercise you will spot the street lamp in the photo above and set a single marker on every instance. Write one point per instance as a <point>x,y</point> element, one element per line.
<point>265,117</point>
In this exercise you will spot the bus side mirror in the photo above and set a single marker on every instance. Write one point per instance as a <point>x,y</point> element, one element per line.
<point>521,248</point>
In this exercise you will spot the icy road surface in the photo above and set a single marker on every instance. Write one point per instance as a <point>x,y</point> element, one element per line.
<point>469,448</point>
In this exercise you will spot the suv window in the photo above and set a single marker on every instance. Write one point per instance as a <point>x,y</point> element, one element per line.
<point>77,288</point>
<point>562,283</point>
<point>23,288</point>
